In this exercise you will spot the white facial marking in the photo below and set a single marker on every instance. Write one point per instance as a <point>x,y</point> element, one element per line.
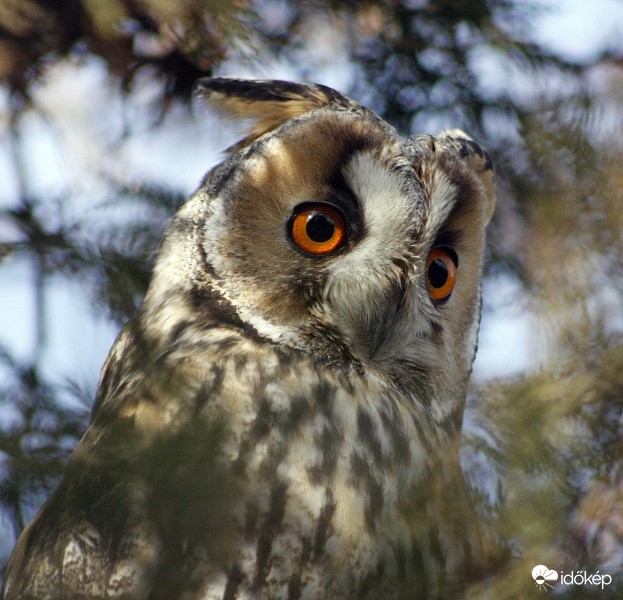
<point>386,211</point>
<point>354,301</point>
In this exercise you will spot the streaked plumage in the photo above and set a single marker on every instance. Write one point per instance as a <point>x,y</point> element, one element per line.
<point>275,423</point>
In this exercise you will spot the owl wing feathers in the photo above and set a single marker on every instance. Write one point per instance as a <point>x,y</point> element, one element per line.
<point>133,481</point>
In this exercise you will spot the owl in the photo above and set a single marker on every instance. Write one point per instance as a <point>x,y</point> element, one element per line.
<point>281,417</point>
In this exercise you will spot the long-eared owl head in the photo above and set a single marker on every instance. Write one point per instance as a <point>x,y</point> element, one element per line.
<point>326,231</point>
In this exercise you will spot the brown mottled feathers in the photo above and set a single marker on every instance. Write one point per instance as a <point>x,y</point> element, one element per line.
<point>278,422</point>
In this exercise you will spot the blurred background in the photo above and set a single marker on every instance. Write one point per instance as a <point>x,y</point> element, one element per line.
<point>101,141</point>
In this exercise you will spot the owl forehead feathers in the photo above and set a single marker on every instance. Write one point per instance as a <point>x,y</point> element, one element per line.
<point>272,106</point>
<point>309,143</point>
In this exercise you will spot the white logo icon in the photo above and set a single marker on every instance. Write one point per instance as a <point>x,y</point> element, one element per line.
<point>542,576</point>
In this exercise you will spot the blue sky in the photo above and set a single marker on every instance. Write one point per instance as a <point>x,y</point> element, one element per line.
<point>578,29</point>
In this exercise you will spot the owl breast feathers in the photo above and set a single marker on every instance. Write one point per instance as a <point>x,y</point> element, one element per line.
<point>280,418</point>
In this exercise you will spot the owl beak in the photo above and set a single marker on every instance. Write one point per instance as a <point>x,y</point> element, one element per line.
<point>384,324</point>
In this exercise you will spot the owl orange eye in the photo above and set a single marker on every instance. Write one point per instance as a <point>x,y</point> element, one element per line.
<point>317,229</point>
<point>440,273</point>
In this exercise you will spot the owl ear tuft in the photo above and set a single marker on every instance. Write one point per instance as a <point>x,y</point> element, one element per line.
<point>478,159</point>
<point>265,103</point>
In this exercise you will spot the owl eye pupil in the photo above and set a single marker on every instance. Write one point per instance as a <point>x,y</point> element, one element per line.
<point>437,273</point>
<point>320,228</point>
<point>317,228</point>
<point>441,272</point>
